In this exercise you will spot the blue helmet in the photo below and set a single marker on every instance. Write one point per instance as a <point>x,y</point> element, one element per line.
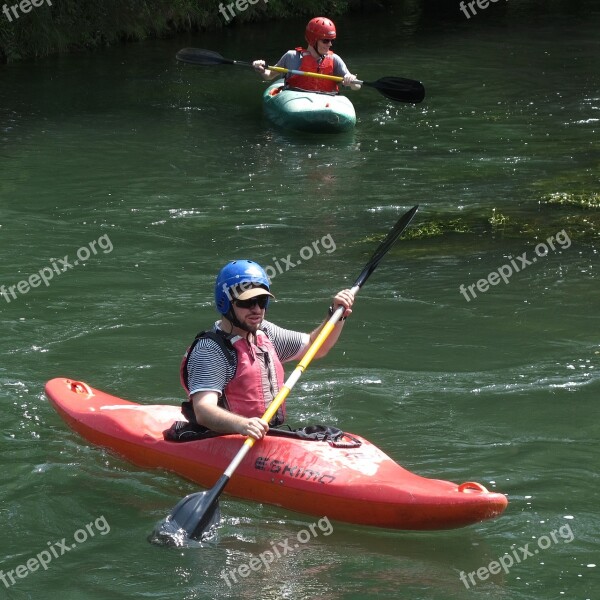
<point>235,278</point>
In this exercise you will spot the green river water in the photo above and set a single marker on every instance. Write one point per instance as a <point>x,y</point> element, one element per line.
<point>172,171</point>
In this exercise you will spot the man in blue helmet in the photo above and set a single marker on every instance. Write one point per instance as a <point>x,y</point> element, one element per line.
<point>232,372</point>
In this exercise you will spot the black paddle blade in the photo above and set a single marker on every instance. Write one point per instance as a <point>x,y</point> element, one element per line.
<point>193,518</point>
<point>203,58</point>
<point>383,248</point>
<point>399,89</point>
<point>196,513</point>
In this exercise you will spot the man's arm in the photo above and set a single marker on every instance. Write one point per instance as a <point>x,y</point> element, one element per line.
<point>266,74</point>
<point>292,345</point>
<point>290,60</point>
<point>344,298</point>
<point>341,70</point>
<point>209,414</point>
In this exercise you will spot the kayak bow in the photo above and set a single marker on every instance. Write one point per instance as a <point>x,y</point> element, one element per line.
<point>308,111</point>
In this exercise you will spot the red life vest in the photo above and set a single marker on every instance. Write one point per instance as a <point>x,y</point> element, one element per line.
<point>258,376</point>
<point>310,64</point>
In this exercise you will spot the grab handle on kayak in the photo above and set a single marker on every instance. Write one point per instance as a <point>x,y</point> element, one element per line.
<point>351,443</point>
<point>472,486</point>
<point>79,387</point>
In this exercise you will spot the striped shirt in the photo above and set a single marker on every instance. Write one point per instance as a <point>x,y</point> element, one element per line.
<point>210,370</point>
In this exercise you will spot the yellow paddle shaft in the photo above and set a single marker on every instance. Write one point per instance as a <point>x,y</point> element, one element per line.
<point>310,74</point>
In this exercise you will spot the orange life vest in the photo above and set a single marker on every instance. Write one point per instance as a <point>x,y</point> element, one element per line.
<point>258,367</point>
<point>310,64</point>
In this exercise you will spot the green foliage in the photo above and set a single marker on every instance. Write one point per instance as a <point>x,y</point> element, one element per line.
<point>437,228</point>
<point>498,218</point>
<point>583,200</point>
<point>71,24</point>
<point>528,223</point>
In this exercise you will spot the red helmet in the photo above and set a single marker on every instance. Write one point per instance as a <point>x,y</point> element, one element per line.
<point>319,28</point>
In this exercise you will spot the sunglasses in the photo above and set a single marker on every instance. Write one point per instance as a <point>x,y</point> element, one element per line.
<point>262,302</point>
<point>327,41</point>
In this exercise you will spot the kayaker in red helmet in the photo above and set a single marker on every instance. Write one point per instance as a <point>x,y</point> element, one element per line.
<point>232,372</point>
<point>316,58</point>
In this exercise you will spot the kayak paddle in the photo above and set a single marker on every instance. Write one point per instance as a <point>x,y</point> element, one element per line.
<point>196,513</point>
<point>394,88</point>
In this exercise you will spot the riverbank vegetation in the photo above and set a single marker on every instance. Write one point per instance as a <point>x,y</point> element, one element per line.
<point>35,28</point>
<point>59,26</point>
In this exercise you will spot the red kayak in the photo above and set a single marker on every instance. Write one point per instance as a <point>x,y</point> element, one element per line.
<point>352,481</point>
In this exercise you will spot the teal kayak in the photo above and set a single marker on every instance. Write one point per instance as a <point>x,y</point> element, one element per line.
<point>308,111</point>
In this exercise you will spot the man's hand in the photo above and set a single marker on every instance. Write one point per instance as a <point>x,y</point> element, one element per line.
<point>350,81</point>
<point>254,427</point>
<point>344,298</point>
